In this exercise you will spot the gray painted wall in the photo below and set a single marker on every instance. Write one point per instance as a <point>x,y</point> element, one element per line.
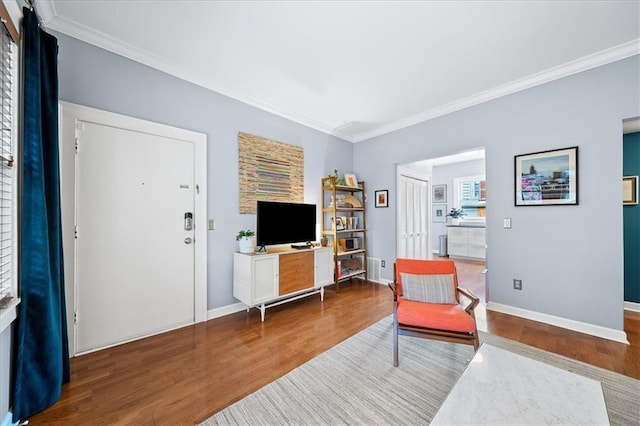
<point>99,79</point>
<point>568,257</point>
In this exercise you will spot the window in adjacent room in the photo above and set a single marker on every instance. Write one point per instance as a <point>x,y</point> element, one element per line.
<point>470,194</point>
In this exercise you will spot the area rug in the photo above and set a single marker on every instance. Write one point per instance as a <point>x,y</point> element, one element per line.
<point>355,383</point>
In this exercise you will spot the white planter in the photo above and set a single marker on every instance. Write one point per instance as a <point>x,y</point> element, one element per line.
<point>246,244</point>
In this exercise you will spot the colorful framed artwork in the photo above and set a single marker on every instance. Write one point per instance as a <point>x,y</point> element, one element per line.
<point>547,178</point>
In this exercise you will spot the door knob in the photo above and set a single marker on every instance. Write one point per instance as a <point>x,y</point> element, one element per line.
<point>188,240</point>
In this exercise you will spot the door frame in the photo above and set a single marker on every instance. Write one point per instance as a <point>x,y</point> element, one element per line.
<point>69,115</point>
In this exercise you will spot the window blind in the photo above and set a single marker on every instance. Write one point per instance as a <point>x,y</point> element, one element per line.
<point>7,168</point>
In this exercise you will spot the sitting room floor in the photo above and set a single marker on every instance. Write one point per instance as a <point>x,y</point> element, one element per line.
<point>185,375</point>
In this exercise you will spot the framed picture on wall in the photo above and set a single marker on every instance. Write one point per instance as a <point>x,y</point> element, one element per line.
<point>439,213</point>
<point>439,193</point>
<point>547,178</point>
<point>382,198</point>
<point>629,190</point>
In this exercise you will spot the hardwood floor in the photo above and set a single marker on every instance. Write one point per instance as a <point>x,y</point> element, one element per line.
<point>184,376</point>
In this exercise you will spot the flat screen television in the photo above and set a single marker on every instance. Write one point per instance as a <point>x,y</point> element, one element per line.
<point>285,223</point>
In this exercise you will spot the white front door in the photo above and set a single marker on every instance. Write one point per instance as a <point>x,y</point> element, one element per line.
<point>134,255</point>
<point>413,218</point>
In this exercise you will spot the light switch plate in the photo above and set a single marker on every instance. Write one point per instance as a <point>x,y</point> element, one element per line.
<point>506,223</point>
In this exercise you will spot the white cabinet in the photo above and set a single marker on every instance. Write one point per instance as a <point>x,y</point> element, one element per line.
<point>323,263</point>
<point>265,280</point>
<point>466,242</point>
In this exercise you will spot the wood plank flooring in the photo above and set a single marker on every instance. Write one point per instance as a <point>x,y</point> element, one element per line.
<point>183,376</point>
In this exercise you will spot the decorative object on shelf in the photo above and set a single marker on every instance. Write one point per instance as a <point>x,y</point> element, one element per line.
<point>340,200</point>
<point>439,194</point>
<point>336,178</point>
<point>350,201</point>
<point>382,198</point>
<point>269,171</point>
<point>351,180</point>
<point>246,241</point>
<point>629,190</point>
<point>547,178</point>
<point>439,212</point>
<point>324,241</point>
<point>339,224</point>
<point>352,264</point>
<point>352,222</point>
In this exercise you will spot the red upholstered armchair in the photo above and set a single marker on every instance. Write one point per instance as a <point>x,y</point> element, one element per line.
<point>426,300</point>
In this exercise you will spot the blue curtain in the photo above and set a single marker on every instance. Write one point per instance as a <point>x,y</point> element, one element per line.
<point>41,349</point>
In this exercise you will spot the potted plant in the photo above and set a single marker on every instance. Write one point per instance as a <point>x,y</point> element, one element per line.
<point>246,241</point>
<point>337,180</point>
<point>456,215</point>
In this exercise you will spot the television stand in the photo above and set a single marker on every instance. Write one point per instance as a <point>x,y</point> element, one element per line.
<point>271,279</point>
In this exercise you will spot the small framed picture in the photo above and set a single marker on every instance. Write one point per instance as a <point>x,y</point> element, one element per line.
<point>340,225</point>
<point>629,190</point>
<point>350,179</point>
<point>439,213</point>
<point>382,198</point>
<point>439,193</point>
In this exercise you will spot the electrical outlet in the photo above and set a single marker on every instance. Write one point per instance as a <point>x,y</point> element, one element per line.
<point>382,263</point>
<point>517,284</point>
<point>212,224</point>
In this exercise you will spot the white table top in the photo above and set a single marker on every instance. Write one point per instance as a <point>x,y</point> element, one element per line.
<point>500,387</point>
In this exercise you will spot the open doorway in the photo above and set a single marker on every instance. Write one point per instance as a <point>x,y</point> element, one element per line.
<point>455,181</point>
<point>631,213</point>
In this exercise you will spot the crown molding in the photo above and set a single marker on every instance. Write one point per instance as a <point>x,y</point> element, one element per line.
<point>71,28</point>
<point>106,42</point>
<point>585,63</point>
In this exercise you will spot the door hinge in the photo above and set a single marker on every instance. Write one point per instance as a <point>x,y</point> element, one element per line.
<point>75,232</point>
<point>76,145</point>
<point>197,189</point>
<point>75,317</point>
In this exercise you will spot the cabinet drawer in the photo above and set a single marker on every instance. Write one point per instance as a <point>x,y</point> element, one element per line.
<point>457,249</point>
<point>457,235</point>
<point>477,251</point>
<point>296,272</point>
<point>476,236</point>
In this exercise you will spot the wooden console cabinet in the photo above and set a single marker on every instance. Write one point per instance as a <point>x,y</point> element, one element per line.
<point>266,280</point>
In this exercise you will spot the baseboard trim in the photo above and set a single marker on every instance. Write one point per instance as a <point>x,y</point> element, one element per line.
<point>632,306</point>
<point>581,327</point>
<point>226,310</point>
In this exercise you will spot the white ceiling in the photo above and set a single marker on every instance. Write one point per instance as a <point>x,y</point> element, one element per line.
<point>357,69</point>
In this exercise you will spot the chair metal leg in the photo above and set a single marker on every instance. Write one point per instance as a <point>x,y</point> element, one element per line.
<point>395,334</point>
